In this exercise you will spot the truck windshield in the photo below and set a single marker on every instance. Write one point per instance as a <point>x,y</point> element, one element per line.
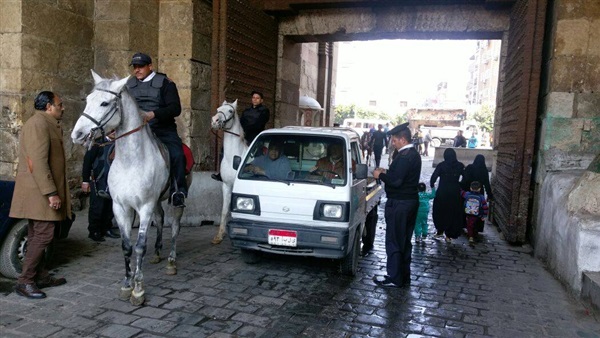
<point>304,159</point>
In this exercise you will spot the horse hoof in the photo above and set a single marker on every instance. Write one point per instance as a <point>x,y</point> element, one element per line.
<point>171,270</point>
<point>217,240</point>
<point>155,260</point>
<point>125,293</point>
<point>137,299</point>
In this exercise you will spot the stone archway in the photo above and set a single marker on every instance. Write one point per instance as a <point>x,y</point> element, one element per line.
<point>518,23</point>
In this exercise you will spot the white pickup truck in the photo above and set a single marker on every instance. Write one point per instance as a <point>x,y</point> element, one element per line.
<point>304,212</point>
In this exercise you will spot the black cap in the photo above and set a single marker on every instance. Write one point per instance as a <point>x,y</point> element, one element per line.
<point>257,92</point>
<point>398,129</point>
<point>140,59</point>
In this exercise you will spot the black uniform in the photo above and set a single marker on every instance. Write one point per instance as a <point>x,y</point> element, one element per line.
<point>253,121</point>
<point>401,182</point>
<point>160,95</point>
<point>100,213</point>
<point>379,141</point>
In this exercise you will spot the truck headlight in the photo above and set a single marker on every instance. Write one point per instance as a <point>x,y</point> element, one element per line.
<point>332,210</point>
<point>244,204</point>
<point>248,204</point>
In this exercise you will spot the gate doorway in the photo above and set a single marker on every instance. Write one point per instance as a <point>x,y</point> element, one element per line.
<point>519,24</point>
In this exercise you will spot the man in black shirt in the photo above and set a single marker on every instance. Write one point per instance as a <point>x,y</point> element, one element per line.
<point>378,143</point>
<point>459,140</point>
<point>158,98</point>
<point>401,181</point>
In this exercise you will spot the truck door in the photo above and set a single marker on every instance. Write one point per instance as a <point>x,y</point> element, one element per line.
<point>358,190</point>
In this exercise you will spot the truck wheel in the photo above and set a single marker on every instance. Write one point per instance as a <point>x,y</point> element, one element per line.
<point>349,264</point>
<point>436,142</point>
<point>250,256</point>
<point>13,250</point>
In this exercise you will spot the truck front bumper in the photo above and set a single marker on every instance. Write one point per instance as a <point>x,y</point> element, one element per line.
<point>322,242</point>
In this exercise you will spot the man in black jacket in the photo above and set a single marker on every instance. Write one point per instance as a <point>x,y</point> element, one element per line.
<point>95,171</point>
<point>253,121</point>
<point>401,187</point>
<point>158,98</point>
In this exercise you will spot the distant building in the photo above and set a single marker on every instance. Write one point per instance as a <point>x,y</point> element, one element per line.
<point>484,68</point>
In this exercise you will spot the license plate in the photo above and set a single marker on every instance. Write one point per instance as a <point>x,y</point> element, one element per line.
<point>283,237</point>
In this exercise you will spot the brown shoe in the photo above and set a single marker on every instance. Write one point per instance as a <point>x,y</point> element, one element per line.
<point>29,291</point>
<point>50,282</point>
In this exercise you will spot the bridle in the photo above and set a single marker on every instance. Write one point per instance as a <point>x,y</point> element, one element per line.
<point>116,107</point>
<point>227,119</point>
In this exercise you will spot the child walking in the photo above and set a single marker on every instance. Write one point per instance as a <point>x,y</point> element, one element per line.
<point>476,209</point>
<point>421,226</point>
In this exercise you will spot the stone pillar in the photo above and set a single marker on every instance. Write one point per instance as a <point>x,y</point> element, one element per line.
<point>288,82</point>
<point>122,28</point>
<point>11,96</point>
<point>184,51</point>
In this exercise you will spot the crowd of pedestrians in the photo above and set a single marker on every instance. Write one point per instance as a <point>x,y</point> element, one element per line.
<point>459,201</point>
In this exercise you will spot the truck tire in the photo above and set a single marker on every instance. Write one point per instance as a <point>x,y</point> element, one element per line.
<point>250,256</point>
<point>13,250</point>
<point>349,264</point>
<point>436,142</point>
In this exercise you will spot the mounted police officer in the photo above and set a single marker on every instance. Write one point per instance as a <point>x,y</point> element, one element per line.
<point>253,121</point>
<point>158,98</point>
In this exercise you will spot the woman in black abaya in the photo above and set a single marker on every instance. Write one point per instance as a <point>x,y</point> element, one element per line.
<point>447,205</point>
<point>477,171</point>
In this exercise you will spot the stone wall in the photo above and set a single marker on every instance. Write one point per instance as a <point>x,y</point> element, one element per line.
<point>566,208</point>
<point>11,98</point>
<point>45,46</point>
<point>309,69</point>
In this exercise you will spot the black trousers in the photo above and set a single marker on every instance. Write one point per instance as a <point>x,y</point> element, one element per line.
<point>173,143</point>
<point>100,213</point>
<point>371,228</point>
<point>400,219</point>
<point>377,150</point>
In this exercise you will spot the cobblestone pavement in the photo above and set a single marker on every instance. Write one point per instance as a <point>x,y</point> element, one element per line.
<point>493,289</point>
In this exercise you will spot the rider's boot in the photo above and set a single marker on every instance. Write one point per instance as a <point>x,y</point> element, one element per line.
<point>217,177</point>
<point>178,199</point>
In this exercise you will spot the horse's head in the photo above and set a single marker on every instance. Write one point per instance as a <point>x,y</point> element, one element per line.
<point>225,113</point>
<point>102,112</point>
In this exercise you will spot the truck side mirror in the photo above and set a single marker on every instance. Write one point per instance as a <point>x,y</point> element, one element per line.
<point>236,162</point>
<point>361,171</point>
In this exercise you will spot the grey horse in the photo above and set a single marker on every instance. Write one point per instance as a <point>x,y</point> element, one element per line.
<point>138,178</point>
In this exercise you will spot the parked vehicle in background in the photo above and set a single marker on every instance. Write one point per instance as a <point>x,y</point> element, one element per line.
<point>363,125</point>
<point>445,135</point>
<point>13,235</point>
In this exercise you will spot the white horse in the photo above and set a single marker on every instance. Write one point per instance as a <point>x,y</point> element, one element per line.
<point>138,177</point>
<point>226,119</point>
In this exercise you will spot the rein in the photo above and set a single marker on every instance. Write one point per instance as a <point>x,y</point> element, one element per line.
<point>100,124</point>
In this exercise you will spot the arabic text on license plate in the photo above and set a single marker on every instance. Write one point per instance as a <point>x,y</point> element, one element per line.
<point>282,237</point>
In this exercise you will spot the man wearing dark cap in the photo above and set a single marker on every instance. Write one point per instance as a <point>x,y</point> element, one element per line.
<point>158,98</point>
<point>253,121</point>
<point>400,182</point>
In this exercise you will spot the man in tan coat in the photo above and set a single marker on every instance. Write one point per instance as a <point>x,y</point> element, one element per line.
<point>41,192</point>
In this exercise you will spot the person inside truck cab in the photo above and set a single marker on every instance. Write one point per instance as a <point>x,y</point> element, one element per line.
<point>273,165</point>
<point>332,165</point>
